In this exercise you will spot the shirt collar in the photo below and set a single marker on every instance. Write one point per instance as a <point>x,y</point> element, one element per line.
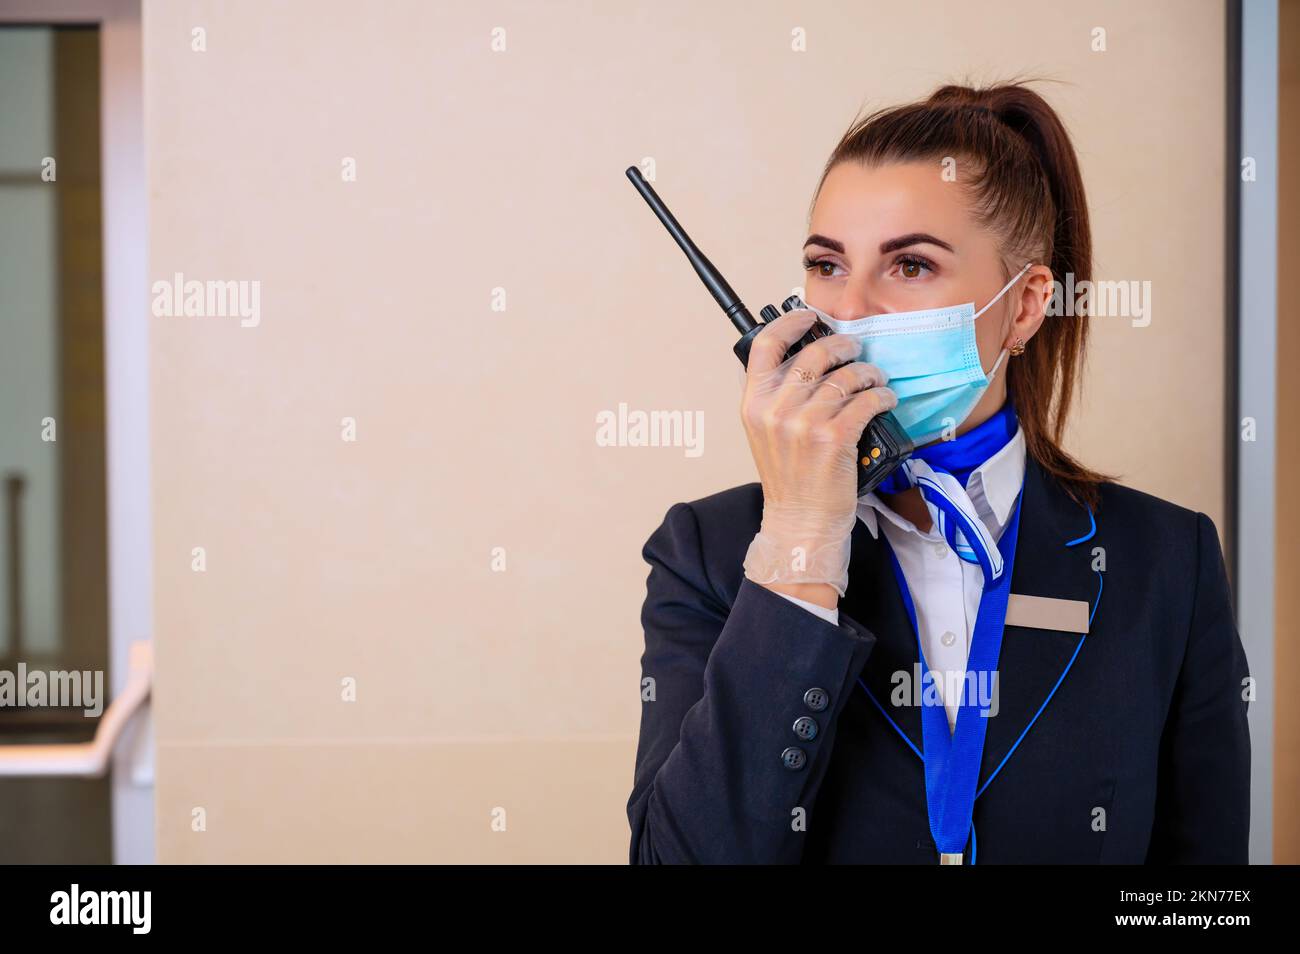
<point>992,488</point>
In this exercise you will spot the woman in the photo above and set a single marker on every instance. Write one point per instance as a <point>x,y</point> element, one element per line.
<point>999,656</point>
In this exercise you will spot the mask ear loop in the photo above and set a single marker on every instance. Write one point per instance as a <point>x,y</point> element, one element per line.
<point>996,364</point>
<point>994,299</point>
<point>1004,352</point>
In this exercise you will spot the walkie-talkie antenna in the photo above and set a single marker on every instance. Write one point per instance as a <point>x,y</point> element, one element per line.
<point>713,280</point>
<point>884,443</point>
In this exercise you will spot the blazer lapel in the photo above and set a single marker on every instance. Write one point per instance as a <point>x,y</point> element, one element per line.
<point>1031,660</point>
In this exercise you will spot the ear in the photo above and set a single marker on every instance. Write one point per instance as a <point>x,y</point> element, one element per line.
<point>1030,305</point>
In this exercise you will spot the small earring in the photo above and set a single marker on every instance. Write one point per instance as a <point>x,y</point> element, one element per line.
<point>1018,348</point>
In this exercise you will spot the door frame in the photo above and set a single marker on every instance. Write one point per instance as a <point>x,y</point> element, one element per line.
<point>126,384</point>
<point>1253,269</point>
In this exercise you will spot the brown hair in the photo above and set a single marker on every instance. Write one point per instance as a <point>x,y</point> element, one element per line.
<point>1023,179</point>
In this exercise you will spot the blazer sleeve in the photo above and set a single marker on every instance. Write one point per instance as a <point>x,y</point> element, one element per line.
<point>1203,785</point>
<point>721,691</point>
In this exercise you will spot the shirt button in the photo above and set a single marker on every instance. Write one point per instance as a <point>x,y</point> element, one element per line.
<point>793,758</point>
<point>948,638</point>
<point>940,550</point>
<point>816,699</point>
<point>805,727</point>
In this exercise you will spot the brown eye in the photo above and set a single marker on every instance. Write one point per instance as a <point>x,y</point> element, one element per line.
<point>912,267</point>
<point>825,269</point>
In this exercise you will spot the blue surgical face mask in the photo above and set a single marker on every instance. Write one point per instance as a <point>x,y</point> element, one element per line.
<point>932,361</point>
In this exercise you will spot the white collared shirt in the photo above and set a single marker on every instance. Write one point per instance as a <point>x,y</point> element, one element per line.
<point>945,589</point>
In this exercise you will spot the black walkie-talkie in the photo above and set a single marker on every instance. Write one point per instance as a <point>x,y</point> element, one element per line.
<point>884,444</point>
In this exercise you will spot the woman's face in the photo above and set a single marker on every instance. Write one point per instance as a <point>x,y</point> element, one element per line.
<point>900,237</point>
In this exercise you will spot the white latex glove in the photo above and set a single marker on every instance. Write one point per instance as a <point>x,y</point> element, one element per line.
<point>803,432</point>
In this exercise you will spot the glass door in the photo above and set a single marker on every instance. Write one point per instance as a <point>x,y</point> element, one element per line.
<point>54,647</point>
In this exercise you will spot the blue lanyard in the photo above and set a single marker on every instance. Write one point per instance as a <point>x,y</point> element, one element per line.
<point>952,758</point>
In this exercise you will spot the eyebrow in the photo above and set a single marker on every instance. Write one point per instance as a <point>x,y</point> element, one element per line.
<point>892,245</point>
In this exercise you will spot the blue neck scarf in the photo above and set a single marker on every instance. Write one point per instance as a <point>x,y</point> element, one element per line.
<point>941,471</point>
<point>963,454</point>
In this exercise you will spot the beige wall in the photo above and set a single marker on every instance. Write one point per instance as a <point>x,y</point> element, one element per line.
<point>478,170</point>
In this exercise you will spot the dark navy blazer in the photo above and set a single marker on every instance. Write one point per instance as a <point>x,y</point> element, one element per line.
<point>1141,753</point>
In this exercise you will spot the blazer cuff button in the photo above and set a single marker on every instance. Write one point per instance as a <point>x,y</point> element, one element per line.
<point>793,758</point>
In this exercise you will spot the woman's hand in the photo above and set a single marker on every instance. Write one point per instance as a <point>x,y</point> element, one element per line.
<point>803,418</point>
